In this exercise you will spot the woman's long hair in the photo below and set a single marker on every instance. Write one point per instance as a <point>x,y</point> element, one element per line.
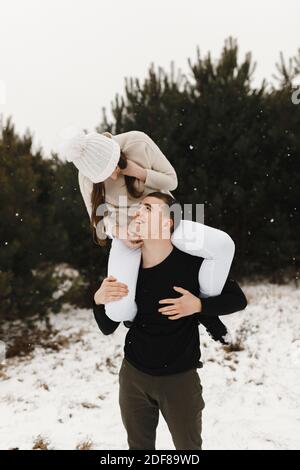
<point>98,198</point>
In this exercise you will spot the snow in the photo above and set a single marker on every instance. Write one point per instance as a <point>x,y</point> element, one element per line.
<point>252,396</point>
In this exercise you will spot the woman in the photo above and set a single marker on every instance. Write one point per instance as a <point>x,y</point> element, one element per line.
<point>115,172</point>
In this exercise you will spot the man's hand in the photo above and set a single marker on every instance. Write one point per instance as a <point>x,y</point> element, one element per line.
<point>183,306</point>
<point>110,290</point>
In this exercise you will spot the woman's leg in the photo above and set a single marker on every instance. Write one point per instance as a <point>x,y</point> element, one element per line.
<point>215,246</point>
<point>123,264</point>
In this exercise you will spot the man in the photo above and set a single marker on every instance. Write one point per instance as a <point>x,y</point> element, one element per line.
<point>162,350</point>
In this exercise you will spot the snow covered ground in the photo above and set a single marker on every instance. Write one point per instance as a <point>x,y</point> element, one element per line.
<point>252,396</point>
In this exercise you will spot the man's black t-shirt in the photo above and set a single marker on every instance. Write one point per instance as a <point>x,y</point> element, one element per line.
<point>155,344</point>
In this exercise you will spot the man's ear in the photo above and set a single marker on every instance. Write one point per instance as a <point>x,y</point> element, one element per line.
<point>167,225</point>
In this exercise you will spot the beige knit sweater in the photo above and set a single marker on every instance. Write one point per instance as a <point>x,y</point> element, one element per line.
<point>141,149</point>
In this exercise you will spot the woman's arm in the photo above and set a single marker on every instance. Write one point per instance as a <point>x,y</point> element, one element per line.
<point>160,174</point>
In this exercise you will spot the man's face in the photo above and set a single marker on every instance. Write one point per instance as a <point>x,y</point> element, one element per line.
<point>152,219</point>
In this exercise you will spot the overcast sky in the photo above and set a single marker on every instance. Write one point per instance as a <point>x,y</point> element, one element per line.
<point>61,61</point>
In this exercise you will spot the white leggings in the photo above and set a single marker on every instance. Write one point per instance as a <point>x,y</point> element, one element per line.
<point>215,246</point>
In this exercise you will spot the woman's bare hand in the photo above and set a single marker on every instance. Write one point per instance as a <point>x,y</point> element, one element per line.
<point>110,290</point>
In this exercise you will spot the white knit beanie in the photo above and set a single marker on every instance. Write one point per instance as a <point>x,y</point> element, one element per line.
<point>94,155</point>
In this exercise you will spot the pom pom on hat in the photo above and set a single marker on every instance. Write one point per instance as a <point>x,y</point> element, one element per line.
<point>72,143</point>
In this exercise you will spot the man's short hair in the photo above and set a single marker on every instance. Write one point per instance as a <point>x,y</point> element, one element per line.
<point>173,204</point>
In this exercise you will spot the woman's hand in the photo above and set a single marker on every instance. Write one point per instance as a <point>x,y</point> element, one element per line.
<point>110,290</point>
<point>135,170</point>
